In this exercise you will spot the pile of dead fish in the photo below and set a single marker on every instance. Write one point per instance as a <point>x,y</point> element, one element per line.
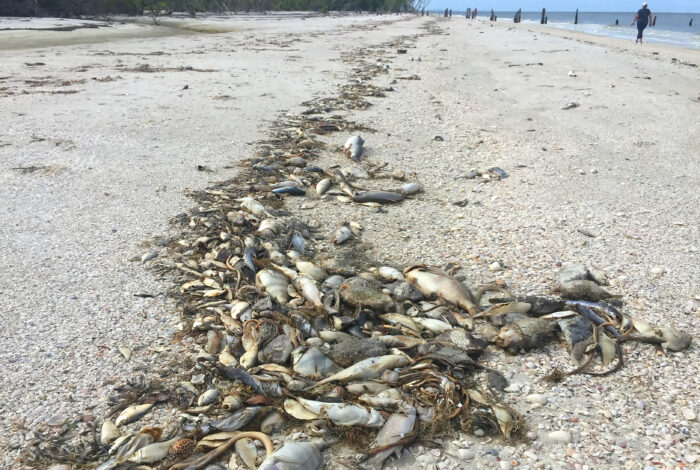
<point>289,341</point>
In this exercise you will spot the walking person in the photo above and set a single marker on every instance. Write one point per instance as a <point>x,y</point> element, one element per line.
<point>642,18</point>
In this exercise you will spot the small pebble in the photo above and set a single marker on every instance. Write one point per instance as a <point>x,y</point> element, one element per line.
<point>465,454</point>
<point>197,379</point>
<point>537,398</point>
<point>689,414</point>
<point>56,420</point>
<point>479,432</point>
<point>505,465</point>
<point>559,436</point>
<point>495,266</point>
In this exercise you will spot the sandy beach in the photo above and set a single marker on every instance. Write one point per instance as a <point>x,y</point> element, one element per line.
<point>108,131</point>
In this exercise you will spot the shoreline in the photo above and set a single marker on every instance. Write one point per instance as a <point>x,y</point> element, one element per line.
<point>489,106</point>
<point>142,27</point>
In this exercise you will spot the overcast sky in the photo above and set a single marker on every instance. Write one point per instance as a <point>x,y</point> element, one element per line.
<point>680,6</point>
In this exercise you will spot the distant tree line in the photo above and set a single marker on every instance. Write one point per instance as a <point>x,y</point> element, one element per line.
<point>72,8</point>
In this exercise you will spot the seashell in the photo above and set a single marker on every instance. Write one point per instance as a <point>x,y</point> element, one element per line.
<point>213,342</point>
<point>297,411</point>
<point>505,419</point>
<point>246,450</point>
<point>409,189</point>
<point>232,403</point>
<point>226,358</point>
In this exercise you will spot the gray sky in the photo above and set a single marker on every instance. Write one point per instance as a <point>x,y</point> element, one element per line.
<point>680,6</point>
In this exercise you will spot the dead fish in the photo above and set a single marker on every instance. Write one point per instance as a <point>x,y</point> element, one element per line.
<point>208,397</point>
<point>401,320</point>
<point>109,432</point>
<point>275,283</point>
<point>230,423</point>
<point>344,414</point>
<point>152,452</point>
<point>290,191</point>
<point>298,243</point>
<point>316,273</point>
<point>365,386</point>
<point>296,456</point>
<point>434,326</point>
<point>433,282</point>
<point>309,290</point>
<point>584,290</point>
<point>278,350</point>
<point>369,368</point>
<point>356,172</point>
<point>523,333</point>
<point>323,186</point>
<point>270,227</point>
<point>342,235</point>
<point>571,104</point>
<point>361,295</point>
<point>381,197</point>
<point>390,274</point>
<point>133,413</point>
<point>352,350</point>
<point>313,364</point>
<point>397,432</point>
<point>353,147</point>
<point>669,338</point>
<point>497,172</point>
<point>254,207</point>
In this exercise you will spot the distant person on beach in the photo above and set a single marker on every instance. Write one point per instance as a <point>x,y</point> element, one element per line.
<point>643,18</point>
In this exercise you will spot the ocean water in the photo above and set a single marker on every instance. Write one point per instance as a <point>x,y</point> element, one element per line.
<point>671,28</point>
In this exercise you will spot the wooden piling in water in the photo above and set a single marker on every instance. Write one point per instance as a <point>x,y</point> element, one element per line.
<point>690,23</point>
<point>542,20</point>
<point>576,17</point>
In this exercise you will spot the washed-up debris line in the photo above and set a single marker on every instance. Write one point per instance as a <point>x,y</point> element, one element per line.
<point>337,350</point>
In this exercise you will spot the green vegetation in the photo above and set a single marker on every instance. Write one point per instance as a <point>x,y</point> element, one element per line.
<point>68,8</point>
